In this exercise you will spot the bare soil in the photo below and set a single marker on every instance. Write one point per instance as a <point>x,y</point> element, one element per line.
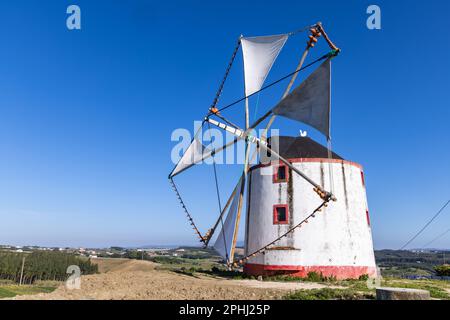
<point>132,279</point>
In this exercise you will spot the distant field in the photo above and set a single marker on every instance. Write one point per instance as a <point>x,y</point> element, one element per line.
<point>107,265</point>
<point>10,291</point>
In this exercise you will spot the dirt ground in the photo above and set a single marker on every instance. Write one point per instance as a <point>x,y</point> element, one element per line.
<point>132,279</point>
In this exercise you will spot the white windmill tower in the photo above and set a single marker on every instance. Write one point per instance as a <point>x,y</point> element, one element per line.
<point>337,242</point>
<point>306,207</point>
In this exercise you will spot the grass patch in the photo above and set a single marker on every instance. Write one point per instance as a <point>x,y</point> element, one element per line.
<point>437,288</point>
<point>10,291</point>
<point>177,263</point>
<point>329,294</point>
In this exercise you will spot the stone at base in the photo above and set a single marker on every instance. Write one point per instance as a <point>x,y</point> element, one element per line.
<point>402,294</point>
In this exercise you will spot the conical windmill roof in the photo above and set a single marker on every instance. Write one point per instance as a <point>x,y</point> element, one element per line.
<point>299,147</point>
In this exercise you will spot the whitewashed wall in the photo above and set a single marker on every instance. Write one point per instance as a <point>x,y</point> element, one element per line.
<point>339,236</point>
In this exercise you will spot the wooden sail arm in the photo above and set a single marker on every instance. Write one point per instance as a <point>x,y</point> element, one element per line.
<point>238,218</point>
<point>327,38</point>
<point>244,134</point>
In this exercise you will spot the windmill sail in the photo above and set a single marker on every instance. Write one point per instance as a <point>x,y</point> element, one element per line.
<point>310,101</point>
<point>193,155</point>
<point>259,55</point>
<point>224,241</point>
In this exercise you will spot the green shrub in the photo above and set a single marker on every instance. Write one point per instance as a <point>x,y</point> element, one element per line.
<point>328,294</point>
<point>363,277</point>
<point>314,277</point>
<point>443,270</point>
<point>166,260</point>
<point>319,277</point>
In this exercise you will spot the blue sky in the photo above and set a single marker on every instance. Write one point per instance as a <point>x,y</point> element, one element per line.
<point>86,116</point>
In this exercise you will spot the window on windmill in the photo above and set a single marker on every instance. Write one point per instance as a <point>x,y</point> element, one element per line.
<point>280,174</point>
<point>280,214</point>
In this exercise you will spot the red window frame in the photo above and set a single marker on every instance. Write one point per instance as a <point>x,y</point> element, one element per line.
<point>275,214</point>
<point>368,217</point>
<point>363,179</point>
<point>275,173</point>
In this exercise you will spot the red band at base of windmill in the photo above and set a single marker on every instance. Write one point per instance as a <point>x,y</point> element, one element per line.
<point>340,272</point>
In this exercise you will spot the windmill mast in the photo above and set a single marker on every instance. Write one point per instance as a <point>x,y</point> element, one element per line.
<point>244,178</point>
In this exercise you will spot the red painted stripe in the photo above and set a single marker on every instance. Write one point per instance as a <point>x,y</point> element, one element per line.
<point>368,217</point>
<point>363,179</point>
<point>340,272</point>
<point>320,160</point>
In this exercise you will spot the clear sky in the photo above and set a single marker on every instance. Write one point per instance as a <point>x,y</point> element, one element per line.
<point>86,116</point>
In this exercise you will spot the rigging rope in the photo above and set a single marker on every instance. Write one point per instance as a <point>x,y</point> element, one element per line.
<point>218,197</point>
<point>174,187</point>
<point>330,54</point>
<point>302,30</point>
<point>227,72</point>
<point>257,105</point>
<point>180,199</point>
<point>266,247</point>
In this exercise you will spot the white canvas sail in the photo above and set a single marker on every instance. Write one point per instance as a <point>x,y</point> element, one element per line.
<point>310,101</point>
<point>193,155</point>
<point>259,55</point>
<point>224,241</point>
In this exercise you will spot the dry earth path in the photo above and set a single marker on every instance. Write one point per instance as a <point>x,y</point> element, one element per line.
<point>133,279</point>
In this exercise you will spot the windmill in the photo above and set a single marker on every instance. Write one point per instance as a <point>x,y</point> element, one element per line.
<point>296,166</point>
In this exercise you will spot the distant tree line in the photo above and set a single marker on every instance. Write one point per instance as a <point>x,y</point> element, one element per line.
<point>41,266</point>
<point>408,259</point>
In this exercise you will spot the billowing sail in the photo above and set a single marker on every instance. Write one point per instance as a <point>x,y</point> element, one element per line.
<point>224,241</point>
<point>310,101</point>
<point>259,55</point>
<point>193,155</point>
